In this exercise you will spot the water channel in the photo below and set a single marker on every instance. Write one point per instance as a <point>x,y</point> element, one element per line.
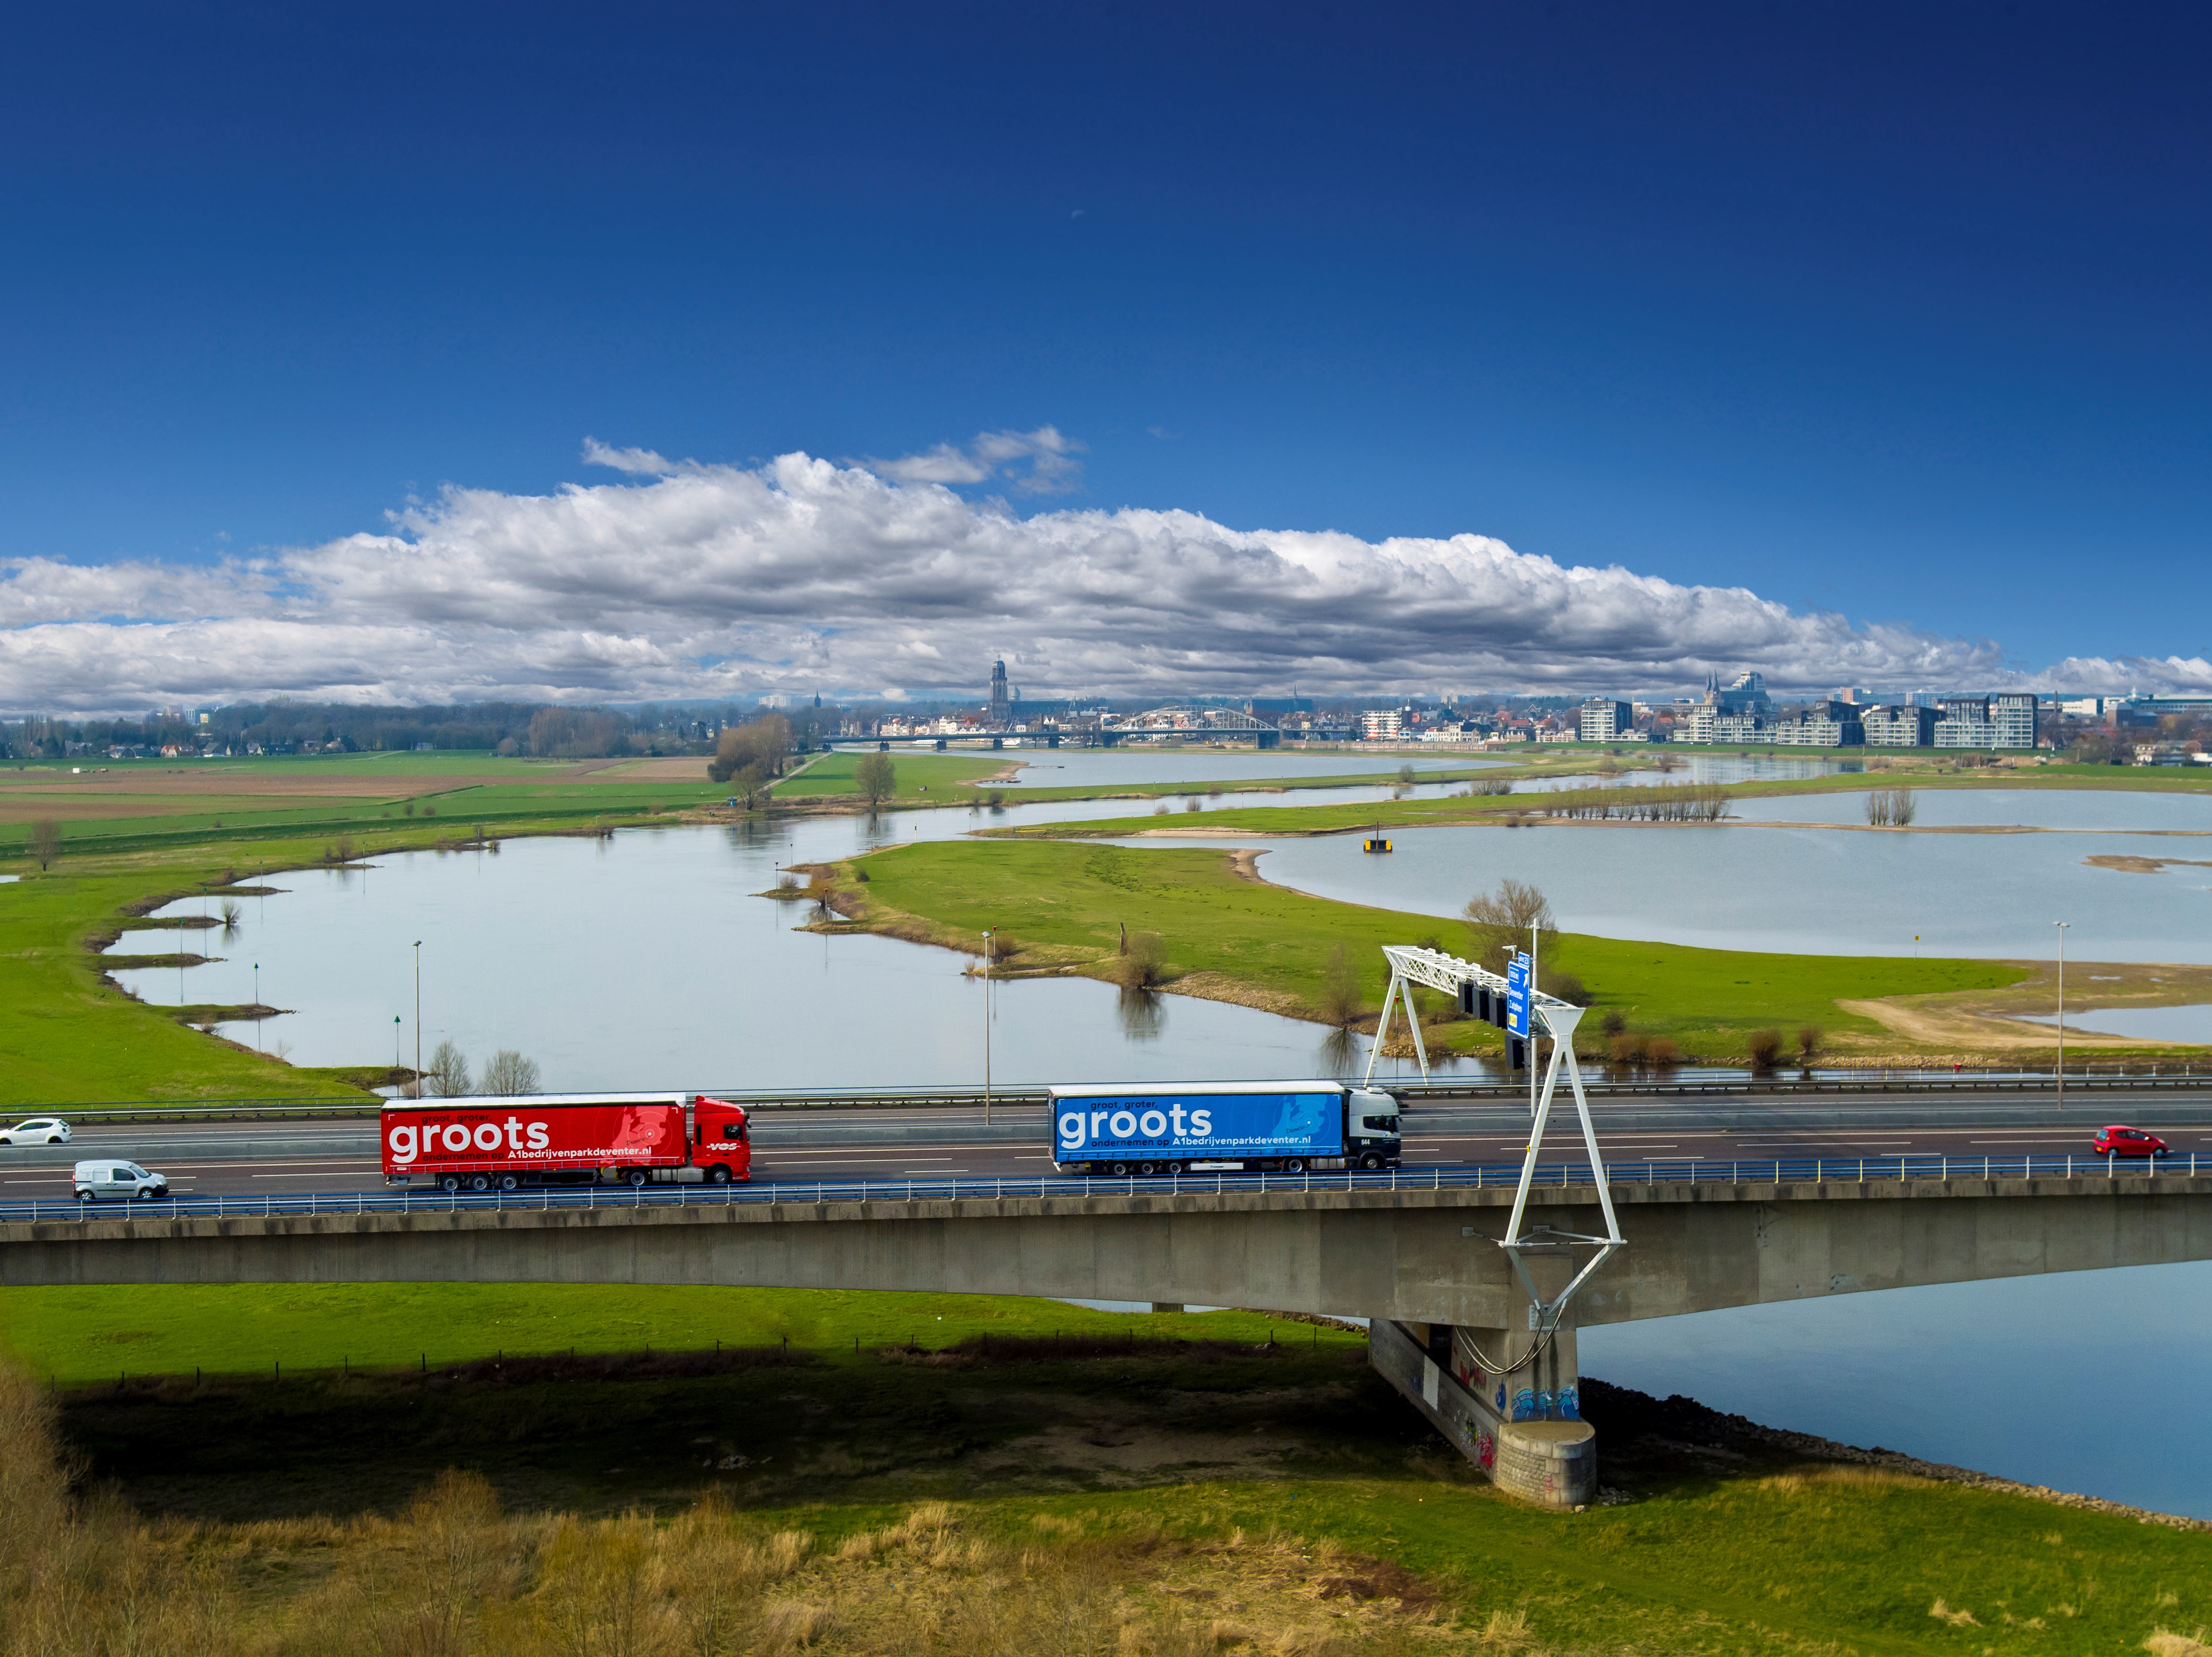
<point>647,960</point>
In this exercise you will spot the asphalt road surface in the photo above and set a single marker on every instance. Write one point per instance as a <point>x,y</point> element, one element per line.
<point>235,1158</point>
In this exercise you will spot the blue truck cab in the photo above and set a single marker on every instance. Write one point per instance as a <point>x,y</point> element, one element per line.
<point>1223,1127</point>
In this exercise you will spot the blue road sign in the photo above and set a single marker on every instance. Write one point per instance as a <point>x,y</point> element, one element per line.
<point>1517,996</point>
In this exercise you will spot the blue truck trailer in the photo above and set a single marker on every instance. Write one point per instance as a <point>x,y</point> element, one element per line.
<point>1235,1127</point>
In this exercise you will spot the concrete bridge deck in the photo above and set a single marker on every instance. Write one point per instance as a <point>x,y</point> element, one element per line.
<point>1408,1254</point>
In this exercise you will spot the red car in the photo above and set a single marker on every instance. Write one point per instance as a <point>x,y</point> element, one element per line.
<point>2118,1141</point>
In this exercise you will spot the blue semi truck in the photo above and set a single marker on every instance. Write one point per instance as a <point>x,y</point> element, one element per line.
<point>1224,1127</point>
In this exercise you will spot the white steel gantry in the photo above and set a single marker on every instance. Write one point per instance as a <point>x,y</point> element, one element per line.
<point>1438,971</point>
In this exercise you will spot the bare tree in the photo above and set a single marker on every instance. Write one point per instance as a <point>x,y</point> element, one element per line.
<point>508,1073</point>
<point>877,778</point>
<point>1342,1002</point>
<point>46,840</point>
<point>448,1075</point>
<point>1501,920</point>
<point>763,742</point>
<point>232,914</point>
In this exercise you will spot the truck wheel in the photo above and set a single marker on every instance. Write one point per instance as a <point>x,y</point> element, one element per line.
<point>481,1182</point>
<point>1294,1165</point>
<point>1175,1167</point>
<point>636,1176</point>
<point>1145,1168</point>
<point>1120,1169</point>
<point>718,1174</point>
<point>449,1182</point>
<point>508,1182</point>
<point>1371,1161</point>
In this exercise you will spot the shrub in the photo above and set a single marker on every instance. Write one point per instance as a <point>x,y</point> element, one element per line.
<point>1629,1049</point>
<point>1144,964</point>
<point>1662,1052</point>
<point>1613,1023</point>
<point>1764,1047</point>
<point>1567,987</point>
<point>1193,804</point>
<point>1808,1041</point>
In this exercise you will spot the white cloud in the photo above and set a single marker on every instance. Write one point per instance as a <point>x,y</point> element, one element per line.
<point>691,579</point>
<point>1052,467</point>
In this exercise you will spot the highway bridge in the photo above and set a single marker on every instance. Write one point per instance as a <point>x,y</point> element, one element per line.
<point>1725,1201</point>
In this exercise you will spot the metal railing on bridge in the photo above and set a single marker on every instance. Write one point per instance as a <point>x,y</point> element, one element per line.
<point>2170,1079</point>
<point>959,1189</point>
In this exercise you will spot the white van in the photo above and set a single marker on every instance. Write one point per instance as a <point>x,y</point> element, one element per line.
<point>111,1178</point>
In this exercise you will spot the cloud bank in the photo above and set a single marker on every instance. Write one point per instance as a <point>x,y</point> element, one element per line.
<point>686,580</point>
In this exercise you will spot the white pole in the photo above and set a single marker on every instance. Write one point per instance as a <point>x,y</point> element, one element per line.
<point>2062,1012</point>
<point>418,1018</point>
<point>987,1028</point>
<point>1532,1019</point>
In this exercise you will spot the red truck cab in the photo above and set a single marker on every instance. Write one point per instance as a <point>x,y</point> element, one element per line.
<point>721,1140</point>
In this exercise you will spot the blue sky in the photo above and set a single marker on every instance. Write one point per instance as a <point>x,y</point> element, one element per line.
<point>1893,312</point>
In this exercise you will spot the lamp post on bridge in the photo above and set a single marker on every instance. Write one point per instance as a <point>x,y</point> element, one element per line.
<point>418,1018</point>
<point>2062,1012</point>
<point>987,1027</point>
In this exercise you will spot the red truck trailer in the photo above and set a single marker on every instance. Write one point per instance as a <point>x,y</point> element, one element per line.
<point>499,1144</point>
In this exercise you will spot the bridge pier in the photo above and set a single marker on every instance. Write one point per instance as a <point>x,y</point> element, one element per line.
<point>1520,1422</point>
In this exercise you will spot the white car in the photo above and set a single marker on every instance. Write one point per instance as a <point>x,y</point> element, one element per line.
<point>37,1131</point>
<point>112,1178</point>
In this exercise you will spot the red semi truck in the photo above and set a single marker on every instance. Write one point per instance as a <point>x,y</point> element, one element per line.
<point>499,1144</point>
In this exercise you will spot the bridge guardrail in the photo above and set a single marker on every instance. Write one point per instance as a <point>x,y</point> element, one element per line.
<point>950,1189</point>
<point>1027,1095</point>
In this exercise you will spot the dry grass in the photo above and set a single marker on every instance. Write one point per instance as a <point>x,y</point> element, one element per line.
<point>453,1576</point>
<point>2165,1642</point>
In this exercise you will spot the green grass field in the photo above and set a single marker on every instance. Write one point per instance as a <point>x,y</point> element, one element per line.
<point>75,1336</point>
<point>141,805</point>
<point>1247,1479</point>
<point>1074,897</point>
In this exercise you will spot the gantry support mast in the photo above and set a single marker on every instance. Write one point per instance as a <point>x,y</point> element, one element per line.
<point>1438,971</point>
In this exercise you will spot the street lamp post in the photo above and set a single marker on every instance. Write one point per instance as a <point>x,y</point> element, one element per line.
<point>2062,1012</point>
<point>257,1006</point>
<point>418,1017</point>
<point>987,1029</point>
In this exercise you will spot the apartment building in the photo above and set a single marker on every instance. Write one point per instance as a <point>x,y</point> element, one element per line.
<point>1899,726</point>
<point>1603,719</point>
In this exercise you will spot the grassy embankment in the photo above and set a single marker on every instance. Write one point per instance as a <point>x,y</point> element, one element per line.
<point>1415,811</point>
<point>1087,1497</point>
<point>1230,936</point>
